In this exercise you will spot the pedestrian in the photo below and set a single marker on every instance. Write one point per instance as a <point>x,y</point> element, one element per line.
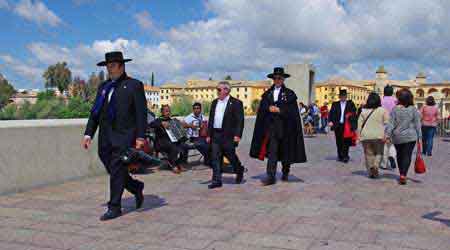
<point>324,117</point>
<point>388,103</point>
<point>225,128</point>
<point>371,125</point>
<point>120,114</point>
<point>430,118</point>
<point>278,130</point>
<point>337,118</point>
<point>404,131</point>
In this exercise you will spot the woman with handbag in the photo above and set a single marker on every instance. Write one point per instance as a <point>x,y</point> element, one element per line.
<point>404,130</point>
<point>371,124</point>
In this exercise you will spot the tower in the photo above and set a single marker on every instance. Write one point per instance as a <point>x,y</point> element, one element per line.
<point>301,81</point>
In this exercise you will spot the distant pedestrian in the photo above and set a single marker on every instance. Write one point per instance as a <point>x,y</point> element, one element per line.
<point>430,118</point>
<point>404,130</point>
<point>371,124</point>
<point>324,117</point>
<point>388,103</point>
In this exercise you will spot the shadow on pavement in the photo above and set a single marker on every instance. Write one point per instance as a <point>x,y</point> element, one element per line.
<point>432,216</point>
<point>383,175</point>
<point>150,202</point>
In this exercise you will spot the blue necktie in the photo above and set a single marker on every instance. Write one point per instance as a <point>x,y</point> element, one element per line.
<point>100,101</point>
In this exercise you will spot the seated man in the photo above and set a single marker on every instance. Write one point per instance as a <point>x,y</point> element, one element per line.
<point>166,143</point>
<point>193,122</point>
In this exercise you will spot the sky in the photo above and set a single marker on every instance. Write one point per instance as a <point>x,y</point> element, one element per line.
<point>185,39</point>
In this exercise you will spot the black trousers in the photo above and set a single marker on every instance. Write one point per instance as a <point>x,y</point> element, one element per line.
<point>174,151</point>
<point>274,152</point>
<point>223,146</point>
<point>342,144</point>
<point>404,153</point>
<point>201,145</point>
<point>119,178</point>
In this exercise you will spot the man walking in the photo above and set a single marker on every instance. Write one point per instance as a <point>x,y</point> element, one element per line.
<point>120,114</point>
<point>278,130</point>
<point>225,127</point>
<point>339,112</point>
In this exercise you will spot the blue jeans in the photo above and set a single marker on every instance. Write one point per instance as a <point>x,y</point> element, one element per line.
<point>427,139</point>
<point>324,123</point>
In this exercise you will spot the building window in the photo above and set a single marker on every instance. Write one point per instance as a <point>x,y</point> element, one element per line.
<point>245,96</point>
<point>237,89</point>
<point>325,97</point>
<point>245,89</point>
<point>237,96</point>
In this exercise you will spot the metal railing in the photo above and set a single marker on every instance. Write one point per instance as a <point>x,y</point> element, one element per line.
<point>443,128</point>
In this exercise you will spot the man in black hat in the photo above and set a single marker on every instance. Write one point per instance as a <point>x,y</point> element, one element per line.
<point>337,118</point>
<point>120,113</point>
<point>278,130</point>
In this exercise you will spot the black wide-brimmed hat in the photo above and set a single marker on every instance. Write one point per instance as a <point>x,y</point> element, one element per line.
<point>114,56</point>
<point>343,92</point>
<point>278,71</point>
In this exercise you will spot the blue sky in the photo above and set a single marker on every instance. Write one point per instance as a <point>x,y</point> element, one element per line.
<point>182,39</point>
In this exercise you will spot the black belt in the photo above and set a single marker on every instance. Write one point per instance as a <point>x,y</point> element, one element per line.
<point>220,130</point>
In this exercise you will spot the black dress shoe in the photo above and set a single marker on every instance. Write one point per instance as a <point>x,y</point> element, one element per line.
<point>215,185</point>
<point>239,177</point>
<point>139,197</point>
<point>346,160</point>
<point>269,181</point>
<point>285,177</point>
<point>111,214</point>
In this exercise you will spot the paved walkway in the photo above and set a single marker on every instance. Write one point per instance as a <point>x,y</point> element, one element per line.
<point>327,205</point>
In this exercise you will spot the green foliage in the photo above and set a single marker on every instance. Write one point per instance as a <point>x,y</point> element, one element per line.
<point>6,91</point>
<point>206,107</point>
<point>46,95</point>
<point>48,107</point>
<point>58,76</point>
<point>182,107</point>
<point>228,78</point>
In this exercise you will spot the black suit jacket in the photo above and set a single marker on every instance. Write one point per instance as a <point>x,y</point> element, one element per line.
<point>233,118</point>
<point>131,113</point>
<point>335,113</point>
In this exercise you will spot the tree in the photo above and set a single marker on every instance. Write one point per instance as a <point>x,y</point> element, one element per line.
<point>210,78</point>
<point>6,91</point>
<point>58,76</point>
<point>92,86</point>
<point>206,107</point>
<point>228,78</point>
<point>255,105</point>
<point>182,107</point>
<point>79,88</point>
<point>152,82</point>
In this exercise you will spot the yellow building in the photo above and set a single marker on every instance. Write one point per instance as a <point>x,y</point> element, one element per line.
<point>205,90</point>
<point>358,90</point>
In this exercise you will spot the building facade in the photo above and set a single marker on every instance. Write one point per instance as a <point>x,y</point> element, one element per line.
<point>358,90</point>
<point>152,97</point>
<point>205,91</point>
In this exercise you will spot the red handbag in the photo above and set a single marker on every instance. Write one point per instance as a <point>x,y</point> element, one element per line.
<point>419,166</point>
<point>349,134</point>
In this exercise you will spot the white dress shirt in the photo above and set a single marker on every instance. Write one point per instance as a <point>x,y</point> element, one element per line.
<point>194,120</point>
<point>220,112</point>
<point>343,104</point>
<point>276,92</point>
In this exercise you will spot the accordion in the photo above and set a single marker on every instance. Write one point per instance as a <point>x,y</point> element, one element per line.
<point>176,131</point>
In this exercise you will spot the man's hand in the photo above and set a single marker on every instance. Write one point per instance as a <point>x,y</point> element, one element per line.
<point>208,139</point>
<point>330,124</point>
<point>140,143</point>
<point>86,142</point>
<point>237,139</point>
<point>274,109</point>
<point>388,140</point>
<point>165,124</point>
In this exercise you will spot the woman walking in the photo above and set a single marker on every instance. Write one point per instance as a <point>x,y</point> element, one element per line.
<point>430,119</point>
<point>404,130</point>
<point>371,124</point>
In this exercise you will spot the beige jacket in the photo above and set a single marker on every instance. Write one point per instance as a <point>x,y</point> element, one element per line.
<point>374,128</point>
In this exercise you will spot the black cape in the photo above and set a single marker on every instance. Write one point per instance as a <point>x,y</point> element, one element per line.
<point>290,127</point>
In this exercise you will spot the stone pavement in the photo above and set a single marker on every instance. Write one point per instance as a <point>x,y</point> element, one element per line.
<point>326,205</point>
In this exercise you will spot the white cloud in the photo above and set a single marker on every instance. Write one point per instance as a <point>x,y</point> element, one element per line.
<point>247,38</point>
<point>37,11</point>
<point>4,4</point>
<point>30,72</point>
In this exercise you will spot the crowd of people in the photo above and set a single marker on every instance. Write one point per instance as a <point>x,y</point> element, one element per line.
<point>388,128</point>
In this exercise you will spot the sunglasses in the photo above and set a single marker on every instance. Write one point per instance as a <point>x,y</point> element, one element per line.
<point>278,78</point>
<point>220,89</point>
